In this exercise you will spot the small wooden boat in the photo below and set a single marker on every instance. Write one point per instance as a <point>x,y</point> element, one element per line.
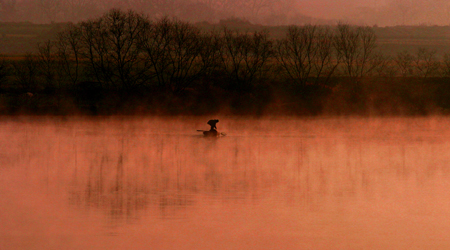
<point>211,133</point>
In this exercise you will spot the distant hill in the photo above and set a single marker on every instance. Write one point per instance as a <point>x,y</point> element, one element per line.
<point>20,38</point>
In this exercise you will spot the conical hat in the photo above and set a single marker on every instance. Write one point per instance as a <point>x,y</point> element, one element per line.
<point>213,122</point>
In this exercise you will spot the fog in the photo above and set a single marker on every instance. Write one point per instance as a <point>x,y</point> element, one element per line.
<point>368,12</point>
<point>288,183</point>
<point>329,180</point>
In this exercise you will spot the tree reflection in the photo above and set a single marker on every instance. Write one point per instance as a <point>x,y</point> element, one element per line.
<point>171,174</point>
<point>126,175</point>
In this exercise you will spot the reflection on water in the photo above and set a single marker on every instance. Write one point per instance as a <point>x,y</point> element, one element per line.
<point>328,184</point>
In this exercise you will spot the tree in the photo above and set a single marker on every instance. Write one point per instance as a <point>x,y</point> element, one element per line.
<point>244,56</point>
<point>356,49</point>
<point>69,45</point>
<point>155,43</point>
<point>177,52</point>
<point>26,73</point>
<point>446,65</point>
<point>426,63</point>
<point>48,63</point>
<point>4,70</point>
<point>306,54</point>
<point>422,64</point>
<point>110,45</point>
<point>404,61</point>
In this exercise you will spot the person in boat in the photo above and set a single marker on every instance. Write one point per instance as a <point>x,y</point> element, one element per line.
<point>213,131</point>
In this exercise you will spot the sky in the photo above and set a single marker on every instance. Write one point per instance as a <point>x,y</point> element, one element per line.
<point>367,12</point>
<point>382,12</point>
<point>334,8</point>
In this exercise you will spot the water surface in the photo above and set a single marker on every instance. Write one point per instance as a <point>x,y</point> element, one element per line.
<point>153,183</point>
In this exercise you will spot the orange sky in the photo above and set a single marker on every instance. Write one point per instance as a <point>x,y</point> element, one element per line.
<point>333,8</point>
<point>388,12</point>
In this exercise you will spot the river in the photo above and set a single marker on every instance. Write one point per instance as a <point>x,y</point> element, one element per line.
<point>272,183</point>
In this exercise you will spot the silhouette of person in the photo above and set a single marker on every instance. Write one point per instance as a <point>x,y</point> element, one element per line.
<point>213,123</point>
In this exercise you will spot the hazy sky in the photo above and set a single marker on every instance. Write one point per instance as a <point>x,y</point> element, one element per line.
<point>382,12</point>
<point>368,12</point>
<point>334,8</point>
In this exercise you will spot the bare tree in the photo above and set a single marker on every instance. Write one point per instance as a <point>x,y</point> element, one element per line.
<point>244,56</point>
<point>446,65</point>
<point>111,46</point>
<point>4,70</point>
<point>422,64</point>
<point>306,54</point>
<point>69,46</point>
<point>26,72</point>
<point>210,54</point>
<point>404,61</point>
<point>178,53</point>
<point>48,63</point>
<point>155,43</point>
<point>426,63</point>
<point>384,68</point>
<point>356,48</point>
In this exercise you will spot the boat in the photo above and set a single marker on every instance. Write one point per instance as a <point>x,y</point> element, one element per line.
<point>213,131</point>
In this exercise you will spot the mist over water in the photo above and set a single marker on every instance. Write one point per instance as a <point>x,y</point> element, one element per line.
<point>323,183</point>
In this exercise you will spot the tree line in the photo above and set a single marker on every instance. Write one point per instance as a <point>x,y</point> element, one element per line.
<point>126,49</point>
<point>128,53</point>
